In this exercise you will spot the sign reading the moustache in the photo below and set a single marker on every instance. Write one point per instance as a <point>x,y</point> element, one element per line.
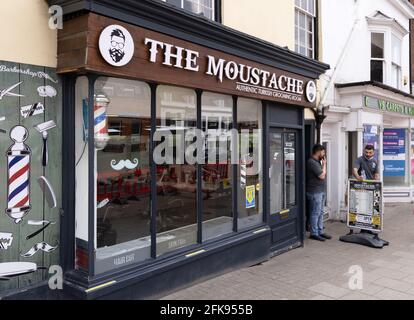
<point>131,51</point>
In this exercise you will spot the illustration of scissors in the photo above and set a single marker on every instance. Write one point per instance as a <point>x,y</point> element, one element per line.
<point>6,92</point>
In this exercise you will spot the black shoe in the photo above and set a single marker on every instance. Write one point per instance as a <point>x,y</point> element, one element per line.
<point>326,236</point>
<point>319,238</point>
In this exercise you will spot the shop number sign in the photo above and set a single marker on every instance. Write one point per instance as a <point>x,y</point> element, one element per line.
<point>365,210</point>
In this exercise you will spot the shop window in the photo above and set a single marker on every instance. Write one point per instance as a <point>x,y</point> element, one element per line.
<point>204,8</point>
<point>121,140</point>
<point>276,172</point>
<point>123,171</point>
<point>377,57</point>
<point>396,157</point>
<point>282,171</point>
<point>305,16</point>
<point>176,176</point>
<point>250,170</point>
<point>412,156</point>
<point>81,174</point>
<point>290,169</point>
<point>217,123</point>
<point>396,76</point>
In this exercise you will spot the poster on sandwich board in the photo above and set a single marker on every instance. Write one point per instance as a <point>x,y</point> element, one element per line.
<point>365,206</point>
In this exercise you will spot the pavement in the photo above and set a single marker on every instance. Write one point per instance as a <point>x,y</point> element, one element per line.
<point>331,270</point>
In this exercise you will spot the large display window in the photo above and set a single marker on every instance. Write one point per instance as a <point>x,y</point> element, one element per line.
<point>217,125</point>
<point>396,157</point>
<point>250,175</point>
<point>163,160</point>
<point>176,178</point>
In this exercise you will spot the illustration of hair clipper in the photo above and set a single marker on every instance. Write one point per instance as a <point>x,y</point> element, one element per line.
<point>18,175</point>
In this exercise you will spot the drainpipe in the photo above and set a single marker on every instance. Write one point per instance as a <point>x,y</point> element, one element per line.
<point>320,116</point>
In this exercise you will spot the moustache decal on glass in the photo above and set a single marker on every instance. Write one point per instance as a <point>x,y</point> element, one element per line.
<point>42,246</point>
<point>124,164</point>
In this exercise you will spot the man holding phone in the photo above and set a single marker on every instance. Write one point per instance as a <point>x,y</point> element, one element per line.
<point>316,192</point>
<point>366,167</point>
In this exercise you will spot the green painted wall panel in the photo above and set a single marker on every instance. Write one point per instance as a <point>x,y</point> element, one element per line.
<point>32,78</point>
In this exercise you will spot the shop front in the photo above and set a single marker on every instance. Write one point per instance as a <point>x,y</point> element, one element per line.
<point>371,114</point>
<point>183,149</point>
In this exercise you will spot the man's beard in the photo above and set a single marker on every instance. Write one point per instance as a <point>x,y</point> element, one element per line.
<point>116,54</point>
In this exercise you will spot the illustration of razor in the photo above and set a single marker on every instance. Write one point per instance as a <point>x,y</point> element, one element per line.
<point>7,91</point>
<point>32,110</point>
<point>43,129</point>
<point>47,191</point>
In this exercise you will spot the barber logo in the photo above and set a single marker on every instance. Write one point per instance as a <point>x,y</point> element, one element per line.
<point>116,45</point>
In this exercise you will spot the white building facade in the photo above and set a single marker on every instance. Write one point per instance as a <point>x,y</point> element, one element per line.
<point>366,96</point>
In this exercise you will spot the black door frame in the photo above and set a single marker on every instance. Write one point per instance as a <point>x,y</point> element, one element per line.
<point>300,178</point>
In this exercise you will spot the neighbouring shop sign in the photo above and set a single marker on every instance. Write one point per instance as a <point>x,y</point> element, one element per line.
<point>394,152</point>
<point>389,106</point>
<point>365,210</point>
<point>120,49</point>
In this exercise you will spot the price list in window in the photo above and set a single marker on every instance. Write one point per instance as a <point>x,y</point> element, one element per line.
<point>365,205</point>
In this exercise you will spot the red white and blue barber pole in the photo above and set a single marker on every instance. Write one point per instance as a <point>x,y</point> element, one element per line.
<point>101,121</point>
<point>18,175</point>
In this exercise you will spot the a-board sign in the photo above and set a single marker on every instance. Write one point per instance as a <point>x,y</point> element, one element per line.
<point>365,209</point>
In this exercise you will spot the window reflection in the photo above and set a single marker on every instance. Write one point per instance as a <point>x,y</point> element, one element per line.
<point>290,169</point>
<point>123,172</point>
<point>176,180</point>
<point>276,172</point>
<point>250,175</point>
<point>217,122</point>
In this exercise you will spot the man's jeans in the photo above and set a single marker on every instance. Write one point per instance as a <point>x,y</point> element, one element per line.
<point>316,205</point>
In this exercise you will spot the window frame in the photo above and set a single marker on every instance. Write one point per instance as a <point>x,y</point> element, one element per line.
<point>308,15</point>
<point>214,12</point>
<point>384,59</point>
<point>394,64</point>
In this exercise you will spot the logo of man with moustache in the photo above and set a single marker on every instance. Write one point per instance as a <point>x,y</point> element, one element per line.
<point>116,51</point>
<point>116,45</point>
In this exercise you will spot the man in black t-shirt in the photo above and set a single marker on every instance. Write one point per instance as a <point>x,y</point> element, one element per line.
<point>316,192</point>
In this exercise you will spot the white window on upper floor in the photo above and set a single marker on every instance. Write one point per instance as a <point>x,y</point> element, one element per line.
<point>387,36</point>
<point>396,77</point>
<point>201,7</point>
<point>305,14</point>
<point>377,56</point>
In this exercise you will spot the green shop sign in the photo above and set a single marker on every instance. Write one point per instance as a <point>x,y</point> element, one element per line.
<point>389,106</point>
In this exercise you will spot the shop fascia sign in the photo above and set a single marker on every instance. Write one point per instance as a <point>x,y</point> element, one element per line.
<point>117,46</point>
<point>388,106</point>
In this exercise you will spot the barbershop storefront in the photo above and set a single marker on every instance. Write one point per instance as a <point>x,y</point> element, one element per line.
<point>148,207</point>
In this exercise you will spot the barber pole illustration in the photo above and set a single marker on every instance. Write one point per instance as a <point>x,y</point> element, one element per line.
<point>18,175</point>
<point>101,121</point>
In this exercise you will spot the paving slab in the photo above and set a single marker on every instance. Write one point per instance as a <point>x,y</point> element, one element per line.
<point>320,271</point>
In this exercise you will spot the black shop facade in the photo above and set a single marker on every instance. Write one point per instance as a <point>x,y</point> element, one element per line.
<point>183,148</point>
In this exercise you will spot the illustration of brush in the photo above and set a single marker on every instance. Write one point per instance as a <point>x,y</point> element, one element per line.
<point>43,129</point>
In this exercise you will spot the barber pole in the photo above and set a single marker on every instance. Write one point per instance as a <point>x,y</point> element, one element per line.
<point>18,175</point>
<point>101,121</point>
<point>243,173</point>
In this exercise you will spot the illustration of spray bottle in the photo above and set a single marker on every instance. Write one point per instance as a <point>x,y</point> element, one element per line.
<point>18,175</point>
